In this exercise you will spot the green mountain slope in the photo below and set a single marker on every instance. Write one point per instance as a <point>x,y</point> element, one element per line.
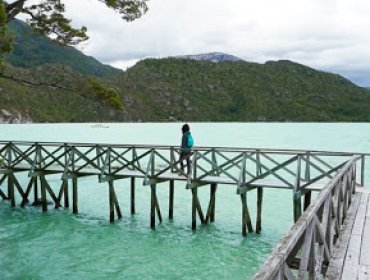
<point>51,83</point>
<point>31,49</point>
<point>183,89</point>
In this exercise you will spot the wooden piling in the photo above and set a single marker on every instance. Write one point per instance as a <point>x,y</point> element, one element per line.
<point>362,170</point>
<point>111,202</point>
<point>74,195</point>
<point>133,195</point>
<point>259,209</point>
<point>194,209</point>
<point>213,199</point>
<point>307,199</point>
<point>246,219</point>
<point>11,195</point>
<point>171,199</point>
<point>66,193</point>
<point>116,204</point>
<point>152,206</point>
<point>43,196</point>
<point>35,191</point>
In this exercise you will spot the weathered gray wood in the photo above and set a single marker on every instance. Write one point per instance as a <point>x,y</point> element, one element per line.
<point>338,251</point>
<point>50,191</point>
<point>365,251</point>
<point>158,209</point>
<point>246,219</point>
<point>363,272</point>
<point>116,204</point>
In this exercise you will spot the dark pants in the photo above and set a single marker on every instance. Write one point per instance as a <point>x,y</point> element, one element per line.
<point>185,156</point>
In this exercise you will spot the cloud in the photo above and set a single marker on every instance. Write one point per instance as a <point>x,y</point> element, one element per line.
<point>328,34</point>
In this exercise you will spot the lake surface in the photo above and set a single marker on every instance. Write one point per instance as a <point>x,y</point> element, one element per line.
<point>58,244</point>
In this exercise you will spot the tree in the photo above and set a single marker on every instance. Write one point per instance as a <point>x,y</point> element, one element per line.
<point>46,17</point>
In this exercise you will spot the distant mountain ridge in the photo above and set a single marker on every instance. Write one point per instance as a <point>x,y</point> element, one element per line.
<point>212,56</point>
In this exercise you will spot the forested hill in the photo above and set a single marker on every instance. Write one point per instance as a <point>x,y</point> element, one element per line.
<point>45,82</point>
<point>183,89</point>
<point>31,49</point>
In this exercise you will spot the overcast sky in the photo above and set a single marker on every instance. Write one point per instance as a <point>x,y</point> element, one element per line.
<point>330,35</point>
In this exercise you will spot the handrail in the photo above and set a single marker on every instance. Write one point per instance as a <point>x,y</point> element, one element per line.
<point>318,226</point>
<point>202,148</point>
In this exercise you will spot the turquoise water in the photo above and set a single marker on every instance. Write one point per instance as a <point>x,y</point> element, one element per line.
<point>58,244</point>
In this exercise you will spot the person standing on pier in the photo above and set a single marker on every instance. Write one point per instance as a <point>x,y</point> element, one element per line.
<point>187,143</point>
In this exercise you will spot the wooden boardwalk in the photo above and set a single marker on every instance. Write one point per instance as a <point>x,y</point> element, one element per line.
<point>351,255</point>
<point>247,169</point>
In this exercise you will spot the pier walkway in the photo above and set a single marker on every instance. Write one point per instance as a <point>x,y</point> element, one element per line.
<point>331,239</point>
<point>351,255</point>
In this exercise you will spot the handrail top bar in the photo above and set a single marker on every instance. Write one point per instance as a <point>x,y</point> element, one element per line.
<point>197,148</point>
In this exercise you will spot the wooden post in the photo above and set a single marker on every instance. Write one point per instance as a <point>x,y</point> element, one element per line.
<point>171,199</point>
<point>362,170</point>
<point>213,201</point>
<point>308,169</point>
<point>259,209</point>
<point>116,205</point>
<point>43,195</point>
<point>194,209</point>
<point>152,206</point>
<point>307,199</point>
<point>111,202</point>
<point>133,195</point>
<point>35,192</point>
<point>75,195</point>
<point>66,193</point>
<point>11,195</point>
<point>246,219</point>
<point>297,203</point>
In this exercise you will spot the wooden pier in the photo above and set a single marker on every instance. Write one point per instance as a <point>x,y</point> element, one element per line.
<point>246,169</point>
<point>331,238</point>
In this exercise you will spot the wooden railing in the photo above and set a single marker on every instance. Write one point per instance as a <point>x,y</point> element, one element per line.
<point>301,171</point>
<point>304,253</point>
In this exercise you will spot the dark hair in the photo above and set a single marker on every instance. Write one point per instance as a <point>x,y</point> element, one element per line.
<point>185,128</point>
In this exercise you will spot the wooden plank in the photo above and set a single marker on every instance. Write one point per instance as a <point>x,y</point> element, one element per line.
<point>365,246</point>
<point>363,272</point>
<point>360,218</point>
<point>349,271</point>
<point>338,251</point>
